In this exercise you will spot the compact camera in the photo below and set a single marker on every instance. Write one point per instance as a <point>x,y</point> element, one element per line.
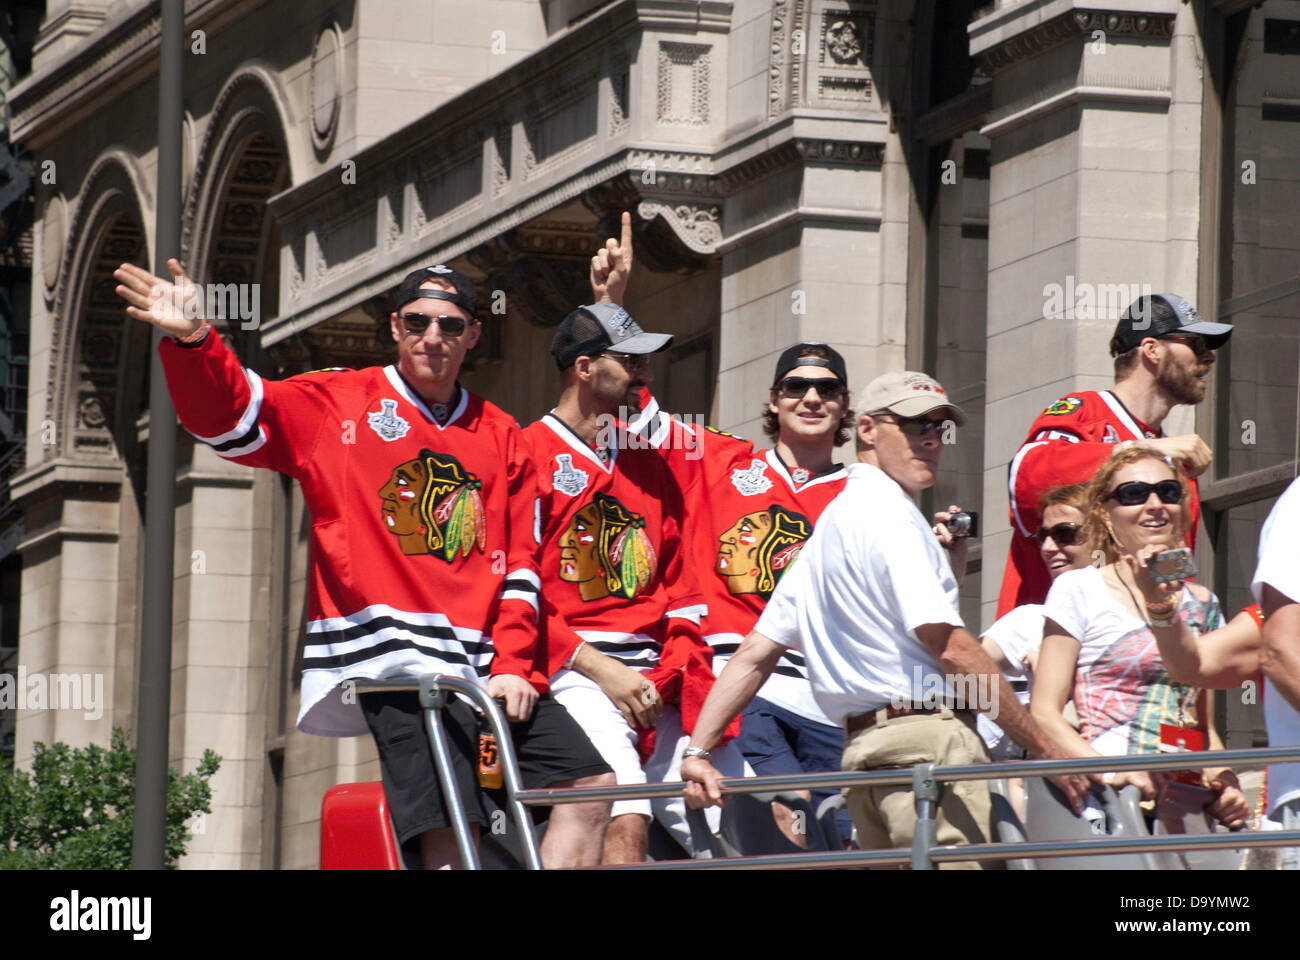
<point>1170,565</point>
<point>964,524</point>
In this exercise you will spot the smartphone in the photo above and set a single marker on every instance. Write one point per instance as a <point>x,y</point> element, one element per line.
<point>1170,565</point>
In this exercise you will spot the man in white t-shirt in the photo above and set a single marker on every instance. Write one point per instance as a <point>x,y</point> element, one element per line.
<point>1276,586</point>
<point>871,603</point>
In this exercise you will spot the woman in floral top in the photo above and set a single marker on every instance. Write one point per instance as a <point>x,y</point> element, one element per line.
<point>1098,646</point>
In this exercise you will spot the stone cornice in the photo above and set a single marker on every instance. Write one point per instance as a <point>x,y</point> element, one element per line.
<point>64,471</point>
<point>1016,34</point>
<point>119,55</point>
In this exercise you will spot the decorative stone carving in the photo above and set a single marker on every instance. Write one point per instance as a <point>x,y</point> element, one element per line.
<point>326,86</point>
<point>619,114</point>
<point>844,41</point>
<point>683,84</point>
<point>90,413</point>
<point>841,151</point>
<point>785,65</point>
<point>1158,27</point>
<point>53,234</point>
<point>562,123</point>
<point>697,225</point>
<point>500,160</point>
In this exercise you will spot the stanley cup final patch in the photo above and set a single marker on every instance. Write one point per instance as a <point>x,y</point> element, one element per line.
<point>751,481</point>
<point>387,423</point>
<point>568,479</point>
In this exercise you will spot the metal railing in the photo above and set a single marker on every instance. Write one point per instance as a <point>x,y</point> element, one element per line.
<point>925,779</point>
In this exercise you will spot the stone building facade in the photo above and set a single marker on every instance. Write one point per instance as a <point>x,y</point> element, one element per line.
<point>907,180</point>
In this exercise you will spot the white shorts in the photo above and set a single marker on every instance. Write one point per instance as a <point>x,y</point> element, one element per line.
<point>615,740</point>
<point>666,764</point>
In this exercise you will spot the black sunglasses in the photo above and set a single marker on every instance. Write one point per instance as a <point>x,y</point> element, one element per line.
<point>417,323</point>
<point>1197,343</point>
<point>795,388</point>
<point>1135,492</point>
<point>1062,534</point>
<point>631,362</point>
<point>915,426</point>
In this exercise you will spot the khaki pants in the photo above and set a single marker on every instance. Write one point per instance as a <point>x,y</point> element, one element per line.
<point>886,816</point>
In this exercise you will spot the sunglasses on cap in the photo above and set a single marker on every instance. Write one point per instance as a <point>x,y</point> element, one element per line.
<point>1135,492</point>
<point>418,323</point>
<point>1062,534</point>
<point>913,426</point>
<point>795,388</point>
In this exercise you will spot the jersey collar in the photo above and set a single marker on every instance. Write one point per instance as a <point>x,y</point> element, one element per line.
<point>566,433</point>
<point>1131,423</point>
<point>401,386</point>
<point>829,475</point>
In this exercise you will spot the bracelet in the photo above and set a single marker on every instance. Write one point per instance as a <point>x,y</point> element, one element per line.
<point>1163,622</point>
<point>1255,611</point>
<point>197,336</point>
<point>568,664</point>
<point>697,752</point>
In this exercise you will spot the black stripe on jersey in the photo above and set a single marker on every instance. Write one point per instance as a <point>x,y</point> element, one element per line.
<point>625,651</point>
<point>789,671</point>
<point>517,584</point>
<point>388,646</point>
<point>725,649</point>
<point>248,437</point>
<point>358,630</point>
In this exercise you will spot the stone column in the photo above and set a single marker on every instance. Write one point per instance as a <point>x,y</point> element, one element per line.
<point>1094,189</point>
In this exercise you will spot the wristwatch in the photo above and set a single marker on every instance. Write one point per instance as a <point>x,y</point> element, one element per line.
<point>697,752</point>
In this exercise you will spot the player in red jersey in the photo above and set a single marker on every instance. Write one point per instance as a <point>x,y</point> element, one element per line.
<point>423,556</point>
<point>1163,353</point>
<point>750,513</point>
<point>619,593</point>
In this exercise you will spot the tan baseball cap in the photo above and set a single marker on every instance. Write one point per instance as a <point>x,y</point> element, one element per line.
<point>908,394</point>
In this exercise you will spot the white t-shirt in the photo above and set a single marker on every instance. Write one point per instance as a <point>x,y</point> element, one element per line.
<point>1279,567</point>
<point>1018,634</point>
<point>870,574</point>
<point>1121,688</point>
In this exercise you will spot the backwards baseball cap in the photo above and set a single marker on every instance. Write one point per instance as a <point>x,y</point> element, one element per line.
<point>908,394</point>
<point>464,295</point>
<point>597,327</point>
<point>797,356</point>
<point>1163,315</point>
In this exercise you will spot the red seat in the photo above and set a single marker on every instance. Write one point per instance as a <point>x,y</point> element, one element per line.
<point>355,830</point>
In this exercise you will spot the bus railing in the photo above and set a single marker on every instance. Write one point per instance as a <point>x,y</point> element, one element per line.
<point>925,779</point>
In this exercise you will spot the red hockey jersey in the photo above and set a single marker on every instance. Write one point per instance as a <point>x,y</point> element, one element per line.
<point>748,514</point>
<point>423,553</point>
<point>1066,444</point>
<point>614,568</point>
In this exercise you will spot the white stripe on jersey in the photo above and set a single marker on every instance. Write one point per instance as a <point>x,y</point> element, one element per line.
<point>409,621</point>
<point>1121,414</point>
<point>691,613</point>
<point>1011,484</point>
<point>246,420</point>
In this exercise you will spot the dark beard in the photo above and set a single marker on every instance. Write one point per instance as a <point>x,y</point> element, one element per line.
<point>1177,384</point>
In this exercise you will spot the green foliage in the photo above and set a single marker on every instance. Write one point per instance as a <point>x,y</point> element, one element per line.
<point>75,810</point>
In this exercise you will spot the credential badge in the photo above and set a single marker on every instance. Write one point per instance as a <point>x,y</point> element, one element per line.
<point>568,480</point>
<point>387,423</point>
<point>751,481</point>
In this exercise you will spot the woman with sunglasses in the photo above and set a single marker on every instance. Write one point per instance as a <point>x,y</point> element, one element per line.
<point>1098,645</point>
<point>1014,640</point>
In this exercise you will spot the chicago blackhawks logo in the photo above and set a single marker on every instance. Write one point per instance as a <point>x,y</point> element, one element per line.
<point>606,552</point>
<point>433,505</point>
<point>1065,405</point>
<point>756,551</point>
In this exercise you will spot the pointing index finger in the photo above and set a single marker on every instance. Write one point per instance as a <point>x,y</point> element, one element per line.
<point>626,243</point>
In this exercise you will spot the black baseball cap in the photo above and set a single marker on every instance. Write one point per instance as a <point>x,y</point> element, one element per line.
<point>465,296</point>
<point>598,327</point>
<point>1163,315</point>
<point>797,356</point>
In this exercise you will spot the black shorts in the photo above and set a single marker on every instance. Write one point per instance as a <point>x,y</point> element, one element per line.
<point>550,745</point>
